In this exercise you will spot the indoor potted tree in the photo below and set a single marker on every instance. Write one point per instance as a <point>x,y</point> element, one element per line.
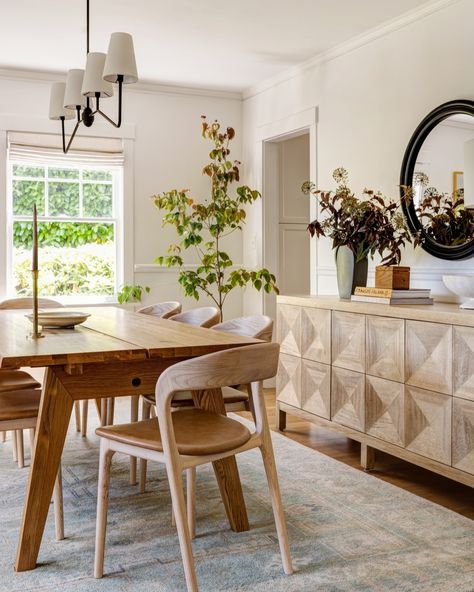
<point>359,228</point>
<point>204,225</point>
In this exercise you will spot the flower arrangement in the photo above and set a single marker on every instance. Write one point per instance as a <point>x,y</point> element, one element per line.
<point>366,226</point>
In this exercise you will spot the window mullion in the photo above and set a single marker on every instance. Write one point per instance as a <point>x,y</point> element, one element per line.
<point>81,193</point>
<point>46,191</point>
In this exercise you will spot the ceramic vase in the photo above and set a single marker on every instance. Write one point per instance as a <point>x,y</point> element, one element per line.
<point>350,273</point>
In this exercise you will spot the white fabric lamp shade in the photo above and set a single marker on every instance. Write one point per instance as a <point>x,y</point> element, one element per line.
<point>120,59</point>
<point>73,94</point>
<point>93,82</point>
<point>56,102</point>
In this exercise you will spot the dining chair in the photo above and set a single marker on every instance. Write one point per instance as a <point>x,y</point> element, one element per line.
<point>192,437</point>
<point>161,310</point>
<point>235,399</point>
<point>18,412</point>
<point>205,316</point>
<point>27,303</point>
<point>11,381</point>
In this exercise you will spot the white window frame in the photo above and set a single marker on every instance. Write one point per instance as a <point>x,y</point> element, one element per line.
<point>10,122</point>
<point>116,219</point>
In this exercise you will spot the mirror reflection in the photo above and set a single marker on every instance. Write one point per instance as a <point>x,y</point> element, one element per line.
<point>443,181</point>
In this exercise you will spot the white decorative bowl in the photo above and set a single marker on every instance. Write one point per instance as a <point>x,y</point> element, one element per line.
<point>463,286</point>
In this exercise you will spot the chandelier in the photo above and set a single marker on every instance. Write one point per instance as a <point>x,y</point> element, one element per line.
<point>79,97</point>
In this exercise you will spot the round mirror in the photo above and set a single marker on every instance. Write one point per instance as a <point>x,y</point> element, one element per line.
<point>437,181</point>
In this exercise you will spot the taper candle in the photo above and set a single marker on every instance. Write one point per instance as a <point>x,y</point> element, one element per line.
<point>35,239</point>
<point>34,275</point>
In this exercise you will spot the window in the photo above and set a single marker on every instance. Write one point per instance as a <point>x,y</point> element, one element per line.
<point>79,230</point>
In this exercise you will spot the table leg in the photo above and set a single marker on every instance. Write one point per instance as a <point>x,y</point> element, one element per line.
<point>53,419</point>
<point>226,470</point>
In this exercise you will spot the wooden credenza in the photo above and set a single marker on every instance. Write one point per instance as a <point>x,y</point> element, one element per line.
<point>395,378</point>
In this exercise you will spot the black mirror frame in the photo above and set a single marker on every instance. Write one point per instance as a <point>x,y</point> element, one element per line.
<point>463,106</point>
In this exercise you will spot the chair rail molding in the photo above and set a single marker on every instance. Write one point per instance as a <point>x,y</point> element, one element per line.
<point>156,268</point>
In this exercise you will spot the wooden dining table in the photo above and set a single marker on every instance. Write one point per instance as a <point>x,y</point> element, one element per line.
<point>114,353</point>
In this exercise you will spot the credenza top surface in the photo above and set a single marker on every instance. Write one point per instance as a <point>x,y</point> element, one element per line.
<point>439,312</point>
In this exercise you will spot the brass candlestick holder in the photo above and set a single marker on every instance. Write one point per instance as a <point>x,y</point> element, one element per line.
<point>36,332</point>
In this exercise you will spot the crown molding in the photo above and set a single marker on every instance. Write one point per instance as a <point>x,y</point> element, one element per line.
<point>46,77</point>
<point>346,47</point>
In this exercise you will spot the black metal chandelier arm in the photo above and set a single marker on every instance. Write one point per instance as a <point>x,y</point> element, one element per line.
<point>97,105</point>
<point>63,129</point>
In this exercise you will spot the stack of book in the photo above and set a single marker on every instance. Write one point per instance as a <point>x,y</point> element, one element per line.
<point>388,296</point>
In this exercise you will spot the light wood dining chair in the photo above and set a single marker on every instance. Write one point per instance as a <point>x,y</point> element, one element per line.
<point>161,310</point>
<point>206,316</point>
<point>192,437</point>
<point>235,399</point>
<point>11,381</point>
<point>18,412</point>
<point>27,303</point>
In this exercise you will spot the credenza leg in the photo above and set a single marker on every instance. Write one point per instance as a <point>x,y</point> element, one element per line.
<point>281,419</point>
<point>367,457</point>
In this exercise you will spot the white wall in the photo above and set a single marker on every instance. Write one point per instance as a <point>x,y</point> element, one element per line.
<point>369,101</point>
<point>168,152</point>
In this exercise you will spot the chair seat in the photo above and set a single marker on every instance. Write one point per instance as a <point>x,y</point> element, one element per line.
<point>184,399</point>
<point>197,433</point>
<point>22,404</point>
<point>14,380</point>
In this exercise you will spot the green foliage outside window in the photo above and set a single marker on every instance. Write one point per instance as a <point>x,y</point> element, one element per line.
<point>98,201</point>
<point>21,170</point>
<point>63,199</point>
<point>89,270</point>
<point>25,194</point>
<point>75,257</point>
<point>62,234</point>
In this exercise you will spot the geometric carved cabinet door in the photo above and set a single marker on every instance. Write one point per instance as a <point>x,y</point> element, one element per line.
<point>348,398</point>
<point>464,362</point>
<point>385,410</point>
<point>288,381</point>
<point>463,435</point>
<point>428,423</point>
<point>316,388</point>
<point>386,348</point>
<point>316,334</point>
<point>289,329</point>
<point>348,340</point>
<point>429,356</point>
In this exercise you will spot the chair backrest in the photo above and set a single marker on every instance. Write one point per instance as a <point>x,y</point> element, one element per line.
<point>206,316</point>
<point>28,303</point>
<point>239,365</point>
<point>257,326</point>
<point>161,310</point>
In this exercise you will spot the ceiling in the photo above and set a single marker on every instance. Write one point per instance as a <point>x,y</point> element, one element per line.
<point>222,45</point>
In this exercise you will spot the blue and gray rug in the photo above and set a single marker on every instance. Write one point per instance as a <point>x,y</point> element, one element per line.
<point>349,532</point>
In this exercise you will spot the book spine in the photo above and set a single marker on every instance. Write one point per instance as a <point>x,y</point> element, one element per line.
<point>374,292</point>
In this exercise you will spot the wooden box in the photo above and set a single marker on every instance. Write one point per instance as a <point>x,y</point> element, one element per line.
<point>393,277</point>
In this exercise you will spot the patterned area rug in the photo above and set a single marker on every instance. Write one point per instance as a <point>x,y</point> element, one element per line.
<point>349,532</point>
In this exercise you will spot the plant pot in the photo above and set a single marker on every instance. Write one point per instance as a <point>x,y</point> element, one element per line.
<point>392,277</point>
<point>349,273</point>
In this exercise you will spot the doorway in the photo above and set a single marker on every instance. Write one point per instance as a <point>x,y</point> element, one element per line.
<point>286,165</point>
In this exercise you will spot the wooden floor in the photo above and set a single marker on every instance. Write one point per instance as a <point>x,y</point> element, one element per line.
<point>431,486</point>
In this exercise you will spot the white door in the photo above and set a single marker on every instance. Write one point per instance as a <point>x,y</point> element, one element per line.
<point>294,258</point>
